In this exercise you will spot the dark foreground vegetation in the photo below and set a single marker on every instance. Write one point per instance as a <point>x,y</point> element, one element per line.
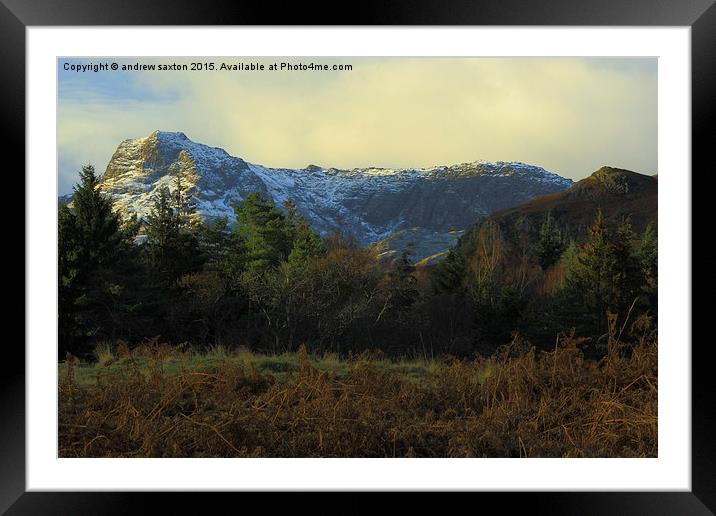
<point>160,401</point>
<point>184,338</point>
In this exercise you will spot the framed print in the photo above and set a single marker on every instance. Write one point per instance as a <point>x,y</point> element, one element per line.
<point>416,253</point>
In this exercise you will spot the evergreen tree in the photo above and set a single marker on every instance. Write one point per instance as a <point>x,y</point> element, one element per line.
<point>647,255</point>
<point>605,278</point>
<point>184,207</point>
<point>569,256</point>
<point>628,278</point>
<point>263,231</point>
<point>449,274</point>
<point>91,241</point>
<point>551,244</point>
<point>401,289</point>
<point>307,245</point>
<point>162,229</point>
<point>98,228</point>
<point>234,261</point>
<point>172,247</point>
<point>215,240</point>
<point>69,270</point>
<point>588,282</point>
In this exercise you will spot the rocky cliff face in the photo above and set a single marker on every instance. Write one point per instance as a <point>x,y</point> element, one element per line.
<point>424,209</point>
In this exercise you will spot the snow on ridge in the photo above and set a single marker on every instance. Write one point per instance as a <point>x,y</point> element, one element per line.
<point>371,203</point>
<point>216,155</point>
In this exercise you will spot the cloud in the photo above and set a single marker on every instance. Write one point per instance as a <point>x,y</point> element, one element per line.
<point>570,116</point>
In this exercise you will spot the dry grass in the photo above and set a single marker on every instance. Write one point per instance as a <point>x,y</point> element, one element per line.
<point>104,354</point>
<point>515,404</point>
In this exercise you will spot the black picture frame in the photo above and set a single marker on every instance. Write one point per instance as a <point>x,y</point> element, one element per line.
<point>16,15</point>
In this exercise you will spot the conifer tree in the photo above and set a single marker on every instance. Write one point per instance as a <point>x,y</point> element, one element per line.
<point>449,274</point>
<point>162,229</point>
<point>184,206</point>
<point>92,239</point>
<point>172,246</point>
<point>215,240</point>
<point>265,234</point>
<point>69,270</point>
<point>98,228</point>
<point>628,278</point>
<point>588,281</point>
<point>402,292</point>
<point>605,278</point>
<point>647,255</point>
<point>551,244</point>
<point>307,245</point>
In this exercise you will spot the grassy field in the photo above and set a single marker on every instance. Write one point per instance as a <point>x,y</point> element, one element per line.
<point>280,367</point>
<point>158,401</point>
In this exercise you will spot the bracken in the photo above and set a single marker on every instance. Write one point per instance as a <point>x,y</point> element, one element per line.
<point>517,403</point>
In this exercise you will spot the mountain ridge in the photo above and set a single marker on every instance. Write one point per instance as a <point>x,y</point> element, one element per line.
<point>618,193</point>
<point>370,203</point>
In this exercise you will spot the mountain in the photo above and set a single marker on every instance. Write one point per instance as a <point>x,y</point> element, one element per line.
<point>425,209</point>
<point>64,199</point>
<point>617,192</point>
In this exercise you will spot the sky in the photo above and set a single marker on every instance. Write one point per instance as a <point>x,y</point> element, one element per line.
<point>568,115</point>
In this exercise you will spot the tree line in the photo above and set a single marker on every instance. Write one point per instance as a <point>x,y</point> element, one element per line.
<point>270,283</point>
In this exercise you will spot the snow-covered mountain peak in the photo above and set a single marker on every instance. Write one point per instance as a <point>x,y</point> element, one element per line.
<point>370,203</point>
<point>169,135</point>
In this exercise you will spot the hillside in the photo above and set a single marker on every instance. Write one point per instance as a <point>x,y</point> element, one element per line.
<point>618,193</point>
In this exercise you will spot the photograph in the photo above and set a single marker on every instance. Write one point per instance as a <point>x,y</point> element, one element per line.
<point>357,257</point>
<point>410,250</point>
